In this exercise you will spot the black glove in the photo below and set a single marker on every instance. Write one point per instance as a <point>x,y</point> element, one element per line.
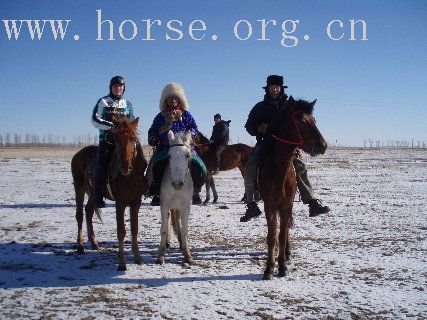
<point>153,141</point>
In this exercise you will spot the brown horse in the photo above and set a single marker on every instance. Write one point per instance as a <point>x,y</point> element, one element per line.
<point>234,155</point>
<point>293,127</point>
<point>126,189</point>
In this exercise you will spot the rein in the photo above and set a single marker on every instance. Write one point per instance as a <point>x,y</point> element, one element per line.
<point>177,145</point>
<point>300,142</point>
<point>202,144</point>
<point>120,131</point>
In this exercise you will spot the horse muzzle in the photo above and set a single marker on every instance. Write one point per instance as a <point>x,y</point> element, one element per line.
<point>177,184</point>
<point>320,148</point>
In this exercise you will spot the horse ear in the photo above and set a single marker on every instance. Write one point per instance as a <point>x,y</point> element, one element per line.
<point>313,102</point>
<point>135,122</point>
<point>291,99</point>
<point>171,136</point>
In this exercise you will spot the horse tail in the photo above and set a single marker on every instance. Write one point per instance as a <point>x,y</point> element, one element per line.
<point>98,214</point>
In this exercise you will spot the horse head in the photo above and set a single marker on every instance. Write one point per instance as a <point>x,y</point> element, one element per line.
<point>179,155</point>
<point>297,126</point>
<point>126,143</point>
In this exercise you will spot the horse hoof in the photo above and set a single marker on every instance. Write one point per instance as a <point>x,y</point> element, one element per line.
<point>95,247</point>
<point>205,202</point>
<point>189,260</point>
<point>160,260</point>
<point>267,276</point>
<point>80,250</point>
<point>283,272</point>
<point>121,268</point>
<point>215,200</point>
<point>139,262</point>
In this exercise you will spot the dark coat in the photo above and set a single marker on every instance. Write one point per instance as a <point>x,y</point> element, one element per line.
<point>263,112</point>
<point>221,133</point>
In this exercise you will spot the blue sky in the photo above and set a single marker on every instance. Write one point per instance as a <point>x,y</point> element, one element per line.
<point>373,89</point>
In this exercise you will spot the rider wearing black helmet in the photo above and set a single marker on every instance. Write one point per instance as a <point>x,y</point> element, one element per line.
<point>111,105</point>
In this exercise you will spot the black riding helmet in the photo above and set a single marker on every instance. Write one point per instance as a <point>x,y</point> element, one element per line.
<point>117,80</point>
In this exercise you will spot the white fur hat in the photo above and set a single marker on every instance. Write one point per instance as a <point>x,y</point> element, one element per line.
<point>173,89</point>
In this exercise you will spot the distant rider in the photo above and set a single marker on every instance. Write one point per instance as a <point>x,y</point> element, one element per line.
<point>220,137</point>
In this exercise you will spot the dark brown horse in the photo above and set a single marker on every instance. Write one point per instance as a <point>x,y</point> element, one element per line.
<point>234,155</point>
<point>293,127</point>
<point>126,189</point>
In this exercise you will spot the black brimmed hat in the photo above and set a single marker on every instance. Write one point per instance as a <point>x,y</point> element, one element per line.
<point>274,80</point>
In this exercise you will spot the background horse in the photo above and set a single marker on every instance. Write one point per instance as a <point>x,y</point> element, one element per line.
<point>234,155</point>
<point>294,127</point>
<point>126,189</point>
<point>176,193</point>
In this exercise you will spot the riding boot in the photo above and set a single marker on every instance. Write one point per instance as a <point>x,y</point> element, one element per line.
<point>216,168</point>
<point>104,155</point>
<point>158,169</point>
<point>99,186</point>
<point>252,211</point>
<point>317,208</point>
<point>199,179</point>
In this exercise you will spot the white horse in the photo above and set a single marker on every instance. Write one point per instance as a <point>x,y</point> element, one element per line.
<point>176,194</point>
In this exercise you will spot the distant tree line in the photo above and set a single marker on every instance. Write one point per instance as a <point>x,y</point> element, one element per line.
<point>369,143</point>
<point>34,140</point>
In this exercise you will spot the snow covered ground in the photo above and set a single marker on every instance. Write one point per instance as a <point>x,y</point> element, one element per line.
<point>366,259</point>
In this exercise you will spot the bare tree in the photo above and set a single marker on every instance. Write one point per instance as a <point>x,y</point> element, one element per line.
<point>7,139</point>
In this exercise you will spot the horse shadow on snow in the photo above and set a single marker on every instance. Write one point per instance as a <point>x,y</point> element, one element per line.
<point>25,265</point>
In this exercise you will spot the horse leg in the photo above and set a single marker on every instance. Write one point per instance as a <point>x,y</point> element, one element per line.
<point>90,208</point>
<point>288,247</point>
<point>208,192</point>
<point>80,195</point>
<point>134,208</point>
<point>215,194</point>
<point>121,234</point>
<point>242,172</point>
<point>163,234</point>
<point>184,233</point>
<point>271,217</point>
<point>176,224</point>
<point>284,241</point>
<point>168,238</point>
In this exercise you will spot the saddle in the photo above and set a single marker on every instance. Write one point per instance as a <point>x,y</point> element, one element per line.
<point>163,155</point>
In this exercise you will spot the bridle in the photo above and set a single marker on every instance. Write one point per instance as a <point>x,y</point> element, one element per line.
<point>132,136</point>
<point>181,145</point>
<point>299,142</point>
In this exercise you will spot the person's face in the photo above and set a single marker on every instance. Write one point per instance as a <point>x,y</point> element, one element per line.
<point>117,89</point>
<point>172,101</point>
<point>217,120</point>
<point>274,90</point>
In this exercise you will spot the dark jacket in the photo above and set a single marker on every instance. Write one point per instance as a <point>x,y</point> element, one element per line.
<point>263,112</point>
<point>220,133</point>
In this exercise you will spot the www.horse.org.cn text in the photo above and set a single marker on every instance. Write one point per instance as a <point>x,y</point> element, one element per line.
<point>174,30</point>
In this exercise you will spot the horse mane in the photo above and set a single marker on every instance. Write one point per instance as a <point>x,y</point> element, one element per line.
<point>202,138</point>
<point>124,124</point>
<point>291,106</point>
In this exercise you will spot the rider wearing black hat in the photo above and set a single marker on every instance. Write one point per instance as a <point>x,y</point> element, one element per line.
<point>111,105</point>
<point>257,125</point>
